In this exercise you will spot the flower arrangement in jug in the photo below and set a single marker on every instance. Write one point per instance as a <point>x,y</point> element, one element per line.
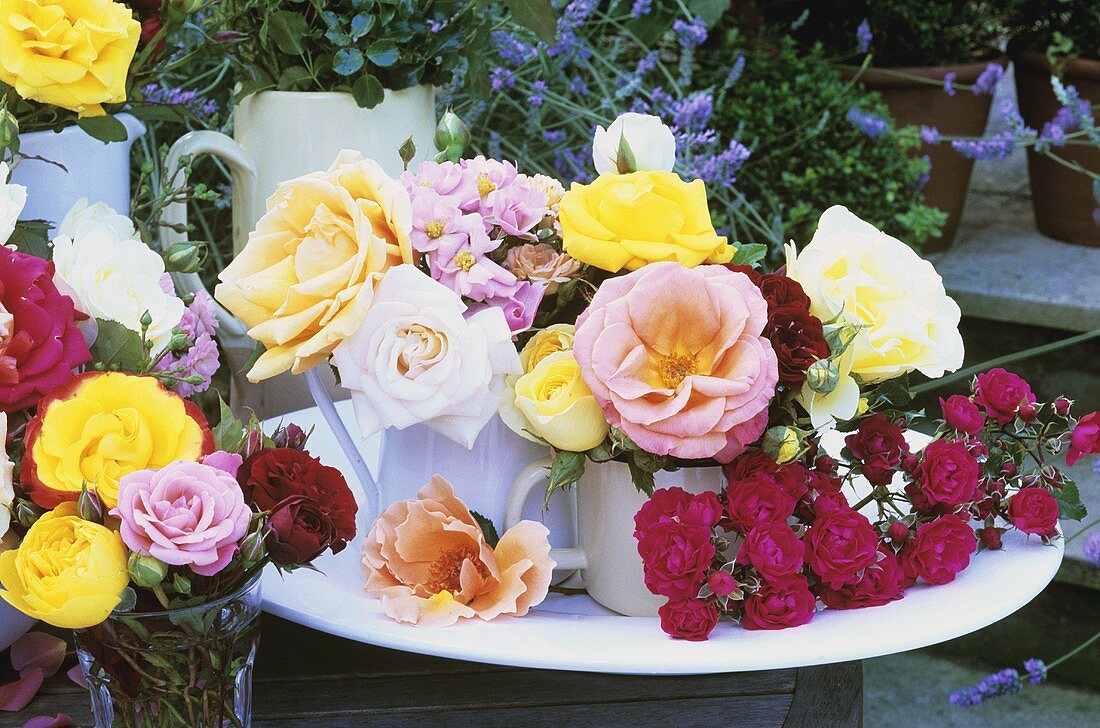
<point>612,321</point>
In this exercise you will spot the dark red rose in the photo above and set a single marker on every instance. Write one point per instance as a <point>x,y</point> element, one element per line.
<point>39,342</point>
<point>780,291</point>
<point>941,549</point>
<point>779,604</point>
<point>150,26</point>
<point>879,446</point>
<point>773,548</point>
<point>840,545</point>
<point>722,583</point>
<point>880,584</point>
<point>948,474</point>
<point>688,619</point>
<point>961,414</point>
<point>668,504</point>
<point>1085,439</point>
<point>676,557</point>
<point>1034,510</point>
<point>757,500</point>
<point>990,538</point>
<point>1001,393</point>
<point>309,502</point>
<point>747,464</point>
<point>798,339</point>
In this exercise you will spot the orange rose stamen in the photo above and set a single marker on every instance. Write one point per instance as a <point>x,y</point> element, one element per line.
<point>447,569</point>
<point>677,367</point>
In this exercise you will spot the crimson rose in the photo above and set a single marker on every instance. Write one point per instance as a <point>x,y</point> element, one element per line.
<point>1034,510</point>
<point>311,507</point>
<point>798,339</point>
<point>879,445</point>
<point>779,604</point>
<point>757,500</point>
<point>961,414</point>
<point>780,291</point>
<point>941,549</point>
<point>747,464</point>
<point>1001,393</point>
<point>39,342</point>
<point>880,584</point>
<point>669,504</point>
<point>840,545</point>
<point>773,548</point>
<point>948,474</point>
<point>1085,439</point>
<point>688,619</point>
<point>676,557</point>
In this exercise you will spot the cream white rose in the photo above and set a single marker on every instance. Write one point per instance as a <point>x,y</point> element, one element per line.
<point>649,140</point>
<point>111,275</point>
<point>12,200</point>
<point>86,216</point>
<point>907,321</point>
<point>416,359</point>
<point>7,487</point>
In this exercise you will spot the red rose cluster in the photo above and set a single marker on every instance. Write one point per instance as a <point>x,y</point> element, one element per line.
<point>782,538</point>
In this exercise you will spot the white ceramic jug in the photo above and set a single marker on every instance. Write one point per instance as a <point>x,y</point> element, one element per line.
<point>63,166</point>
<point>279,136</point>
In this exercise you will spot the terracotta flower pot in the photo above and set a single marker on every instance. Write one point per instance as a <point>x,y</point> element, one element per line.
<point>1063,199</point>
<point>916,97</point>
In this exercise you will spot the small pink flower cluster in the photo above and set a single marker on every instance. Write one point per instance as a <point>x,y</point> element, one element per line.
<point>781,538</point>
<point>199,324</point>
<point>463,213</point>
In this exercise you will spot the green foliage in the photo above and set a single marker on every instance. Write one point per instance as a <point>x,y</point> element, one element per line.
<point>119,348</point>
<point>1071,26</point>
<point>789,106</point>
<point>904,32</point>
<point>1070,506</point>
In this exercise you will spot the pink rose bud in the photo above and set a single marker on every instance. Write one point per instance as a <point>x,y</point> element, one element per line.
<point>898,532</point>
<point>978,449</point>
<point>996,487</point>
<point>1009,469</point>
<point>909,462</point>
<point>990,538</point>
<point>722,583</point>
<point>1028,412</point>
<point>1061,406</point>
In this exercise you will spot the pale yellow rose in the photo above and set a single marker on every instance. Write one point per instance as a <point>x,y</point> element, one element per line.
<point>558,406</point>
<point>550,340</point>
<point>628,220</point>
<point>306,277</point>
<point>74,54</point>
<point>858,273</point>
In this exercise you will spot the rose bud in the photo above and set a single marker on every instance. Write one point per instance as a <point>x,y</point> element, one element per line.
<point>822,376</point>
<point>146,571</point>
<point>291,436</point>
<point>978,449</point>
<point>253,550</point>
<point>181,584</point>
<point>1009,469</point>
<point>26,512</point>
<point>1028,412</point>
<point>184,258</point>
<point>9,128</point>
<point>89,506</point>
<point>990,538</point>
<point>996,487</point>
<point>825,464</point>
<point>1061,406</point>
<point>451,137</point>
<point>782,444</point>
<point>898,532</point>
<point>909,462</point>
<point>180,342</point>
<point>722,583</point>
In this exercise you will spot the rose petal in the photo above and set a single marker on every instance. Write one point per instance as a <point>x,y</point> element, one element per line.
<point>16,695</point>
<point>38,650</point>
<point>61,720</point>
<point>76,674</point>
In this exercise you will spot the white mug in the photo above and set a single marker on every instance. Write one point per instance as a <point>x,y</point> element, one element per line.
<point>606,552</point>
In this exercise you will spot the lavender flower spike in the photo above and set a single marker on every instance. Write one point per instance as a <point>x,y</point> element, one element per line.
<point>864,36</point>
<point>1005,682</point>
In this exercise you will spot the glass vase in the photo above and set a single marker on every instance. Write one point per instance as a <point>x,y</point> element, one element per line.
<point>185,667</point>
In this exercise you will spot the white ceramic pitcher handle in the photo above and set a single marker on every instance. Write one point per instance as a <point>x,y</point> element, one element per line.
<point>538,473</point>
<point>244,179</point>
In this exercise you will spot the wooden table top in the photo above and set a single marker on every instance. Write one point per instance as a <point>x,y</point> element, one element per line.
<point>307,678</point>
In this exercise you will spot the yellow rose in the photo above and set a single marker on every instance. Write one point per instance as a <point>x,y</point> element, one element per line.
<point>858,274</point>
<point>74,54</point>
<point>558,406</point>
<point>102,425</point>
<point>68,572</point>
<point>627,220</point>
<point>306,278</point>
<point>550,340</point>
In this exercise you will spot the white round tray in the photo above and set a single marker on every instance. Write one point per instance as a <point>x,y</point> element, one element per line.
<point>575,633</point>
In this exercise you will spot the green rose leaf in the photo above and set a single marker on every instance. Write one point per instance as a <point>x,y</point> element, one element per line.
<point>1069,502</point>
<point>32,237</point>
<point>347,61</point>
<point>487,527</point>
<point>567,468</point>
<point>749,254</point>
<point>229,431</point>
<point>286,29</point>
<point>368,91</point>
<point>383,53</point>
<point>537,15</point>
<point>103,128</point>
<point>118,347</point>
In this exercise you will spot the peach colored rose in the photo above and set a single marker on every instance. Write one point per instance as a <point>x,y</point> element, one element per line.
<point>428,562</point>
<point>676,359</point>
<point>541,264</point>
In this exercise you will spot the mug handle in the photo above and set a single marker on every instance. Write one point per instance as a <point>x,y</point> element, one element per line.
<point>231,329</point>
<point>534,474</point>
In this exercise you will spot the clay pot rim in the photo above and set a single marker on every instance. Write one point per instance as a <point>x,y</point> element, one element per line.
<point>1037,61</point>
<point>895,76</point>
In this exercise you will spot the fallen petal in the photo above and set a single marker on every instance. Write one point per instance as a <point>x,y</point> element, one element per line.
<point>76,674</point>
<point>16,695</point>
<point>38,650</point>
<point>61,720</point>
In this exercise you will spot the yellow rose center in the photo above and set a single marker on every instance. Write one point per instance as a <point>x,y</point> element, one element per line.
<point>485,185</point>
<point>434,229</point>
<point>465,260</point>
<point>675,368</point>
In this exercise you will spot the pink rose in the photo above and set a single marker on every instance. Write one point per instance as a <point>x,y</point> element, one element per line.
<point>669,504</point>
<point>186,513</point>
<point>227,462</point>
<point>880,584</point>
<point>779,604</point>
<point>948,474</point>
<point>840,545</point>
<point>756,500</point>
<point>676,359</point>
<point>1085,439</point>
<point>1034,510</point>
<point>1001,393</point>
<point>688,619</point>
<point>676,557</point>
<point>722,583</point>
<point>878,445</point>
<point>941,549</point>
<point>773,548</point>
<point>961,414</point>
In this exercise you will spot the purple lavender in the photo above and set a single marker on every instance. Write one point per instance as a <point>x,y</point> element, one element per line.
<point>555,136</point>
<point>998,146</point>
<point>203,108</point>
<point>512,49</point>
<point>641,7</point>
<point>1005,682</point>
<point>926,175</point>
<point>1092,548</point>
<point>1036,671</point>
<point>501,78</point>
<point>870,124</point>
<point>573,16</point>
<point>690,35</point>
<point>736,70</point>
<point>578,86</point>
<point>988,80</point>
<point>693,112</point>
<point>930,135</point>
<point>864,36</point>
<point>538,88</point>
<point>647,63</point>
<point>720,169</point>
<point>949,83</point>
